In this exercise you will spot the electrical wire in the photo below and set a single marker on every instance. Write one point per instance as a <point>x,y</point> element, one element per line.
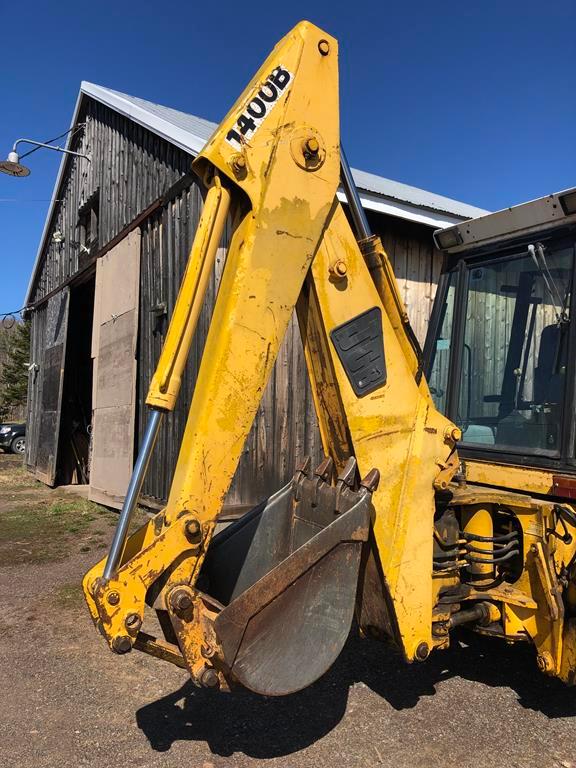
<point>30,200</point>
<point>75,129</point>
<point>8,319</point>
<point>5,317</point>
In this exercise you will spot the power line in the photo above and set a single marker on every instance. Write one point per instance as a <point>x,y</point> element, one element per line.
<point>30,200</point>
<point>8,319</point>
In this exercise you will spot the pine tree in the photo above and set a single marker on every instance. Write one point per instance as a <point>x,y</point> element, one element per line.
<point>14,375</point>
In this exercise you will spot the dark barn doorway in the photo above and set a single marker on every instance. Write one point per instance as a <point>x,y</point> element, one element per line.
<point>73,467</point>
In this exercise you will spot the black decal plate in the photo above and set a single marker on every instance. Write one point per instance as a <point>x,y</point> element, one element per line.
<point>360,347</point>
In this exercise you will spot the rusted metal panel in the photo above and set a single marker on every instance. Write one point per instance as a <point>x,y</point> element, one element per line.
<point>115,371</point>
<point>564,486</point>
<point>114,350</point>
<point>112,454</point>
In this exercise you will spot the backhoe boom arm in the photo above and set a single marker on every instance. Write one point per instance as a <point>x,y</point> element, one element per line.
<point>286,577</point>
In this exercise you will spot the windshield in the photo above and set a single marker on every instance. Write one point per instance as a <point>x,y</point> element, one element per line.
<point>514,351</point>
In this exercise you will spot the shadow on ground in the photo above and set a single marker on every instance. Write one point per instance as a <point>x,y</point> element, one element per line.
<point>272,727</point>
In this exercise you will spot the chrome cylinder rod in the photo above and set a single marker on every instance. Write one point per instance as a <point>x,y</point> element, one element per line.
<point>132,494</point>
<point>358,215</point>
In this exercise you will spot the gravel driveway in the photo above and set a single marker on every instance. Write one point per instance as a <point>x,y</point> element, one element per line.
<point>67,701</point>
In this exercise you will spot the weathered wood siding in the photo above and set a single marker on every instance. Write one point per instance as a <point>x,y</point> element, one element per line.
<point>166,239</point>
<point>285,429</point>
<point>416,264</point>
<point>35,382</point>
<point>131,168</point>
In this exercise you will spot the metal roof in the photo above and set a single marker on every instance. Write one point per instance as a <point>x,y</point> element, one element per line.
<point>190,133</point>
<point>419,197</point>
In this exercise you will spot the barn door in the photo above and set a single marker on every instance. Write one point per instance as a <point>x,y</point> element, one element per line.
<point>114,341</point>
<point>52,373</point>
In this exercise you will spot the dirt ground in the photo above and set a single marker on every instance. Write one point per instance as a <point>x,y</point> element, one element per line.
<point>66,700</point>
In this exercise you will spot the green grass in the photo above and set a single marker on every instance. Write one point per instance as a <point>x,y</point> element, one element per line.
<point>14,476</point>
<point>36,526</point>
<point>70,596</point>
<point>39,533</point>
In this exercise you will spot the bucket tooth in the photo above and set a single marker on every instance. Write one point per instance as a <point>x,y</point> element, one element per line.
<point>345,484</point>
<point>349,474</point>
<point>325,470</point>
<point>303,469</point>
<point>371,481</point>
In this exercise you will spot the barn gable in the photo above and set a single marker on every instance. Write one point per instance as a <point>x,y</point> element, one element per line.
<point>129,217</point>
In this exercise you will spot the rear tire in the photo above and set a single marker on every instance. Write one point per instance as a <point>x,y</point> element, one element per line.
<point>18,445</point>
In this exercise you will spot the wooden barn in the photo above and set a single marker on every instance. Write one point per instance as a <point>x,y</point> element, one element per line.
<point>105,280</point>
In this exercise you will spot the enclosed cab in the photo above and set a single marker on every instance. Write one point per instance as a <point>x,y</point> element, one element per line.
<point>501,350</point>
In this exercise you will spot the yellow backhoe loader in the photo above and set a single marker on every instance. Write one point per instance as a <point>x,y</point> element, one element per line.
<point>394,528</point>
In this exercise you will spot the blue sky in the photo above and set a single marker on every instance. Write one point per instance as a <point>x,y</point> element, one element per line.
<point>473,101</point>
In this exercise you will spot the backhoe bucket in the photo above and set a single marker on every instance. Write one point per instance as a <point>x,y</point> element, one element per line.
<point>287,575</point>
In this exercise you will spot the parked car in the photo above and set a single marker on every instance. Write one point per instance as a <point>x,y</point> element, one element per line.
<point>13,437</point>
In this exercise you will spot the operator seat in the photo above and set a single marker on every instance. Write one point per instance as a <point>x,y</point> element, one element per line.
<point>539,427</point>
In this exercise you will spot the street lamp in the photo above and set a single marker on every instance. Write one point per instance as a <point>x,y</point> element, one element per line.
<point>12,165</point>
